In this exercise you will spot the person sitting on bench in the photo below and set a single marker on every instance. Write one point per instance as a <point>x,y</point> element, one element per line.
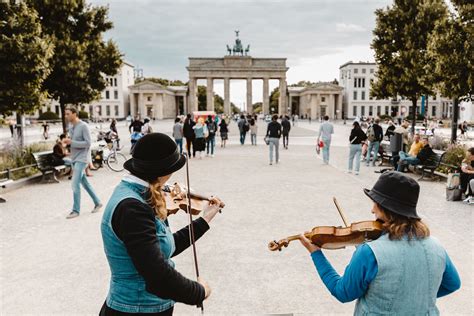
<point>409,159</point>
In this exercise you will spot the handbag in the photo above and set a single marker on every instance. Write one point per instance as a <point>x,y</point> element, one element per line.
<point>454,194</point>
<point>265,139</point>
<point>454,180</point>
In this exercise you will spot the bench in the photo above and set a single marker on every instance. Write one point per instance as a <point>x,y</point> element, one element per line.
<point>44,162</point>
<point>3,184</point>
<point>430,165</point>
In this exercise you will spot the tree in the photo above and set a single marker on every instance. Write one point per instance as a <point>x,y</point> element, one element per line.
<point>218,104</point>
<point>81,57</point>
<point>400,44</point>
<point>162,81</point>
<point>24,58</point>
<point>451,46</point>
<point>274,100</point>
<point>202,98</point>
<point>257,107</point>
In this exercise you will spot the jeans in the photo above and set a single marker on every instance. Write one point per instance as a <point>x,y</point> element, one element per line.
<point>354,154</point>
<point>373,146</point>
<point>406,159</point>
<point>179,142</point>
<point>327,144</point>
<point>210,142</point>
<point>79,177</point>
<point>274,142</point>
<point>285,139</point>
<point>253,138</point>
<point>242,137</point>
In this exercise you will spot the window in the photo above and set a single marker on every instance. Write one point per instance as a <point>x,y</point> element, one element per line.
<point>434,97</point>
<point>349,74</point>
<point>115,94</point>
<point>386,110</point>
<point>363,82</point>
<point>107,94</point>
<point>148,98</point>
<point>342,75</point>
<point>56,109</point>
<point>116,110</point>
<point>371,110</point>
<point>354,110</point>
<point>433,111</point>
<point>91,110</point>
<point>359,82</point>
<point>323,99</point>
<point>99,107</point>
<point>371,71</point>
<point>115,81</point>
<point>355,82</point>
<point>362,110</point>
<point>354,97</point>
<point>363,70</point>
<point>356,71</point>
<point>362,97</point>
<point>379,109</point>
<point>107,110</point>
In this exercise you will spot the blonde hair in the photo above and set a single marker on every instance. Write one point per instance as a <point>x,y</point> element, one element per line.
<point>157,201</point>
<point>398,226</point>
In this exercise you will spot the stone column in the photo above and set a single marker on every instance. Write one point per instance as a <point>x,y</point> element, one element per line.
<point>266,97</point>
<point>318,106</point>
<point>313,104</point>
<point>210,94</point>
<point>249,95</point>
<point>339,107</point>
<point>132,104</point>
<point>185,105</point>
<point>282,107</point>
<point>192,90</point>
<point>331,106</point>
<point>227,110</point>
<point>141,106</point>
<point>290,105</point>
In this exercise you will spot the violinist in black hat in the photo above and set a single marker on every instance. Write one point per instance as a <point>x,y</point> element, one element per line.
<point>138,242</point>
<point>404,270</point>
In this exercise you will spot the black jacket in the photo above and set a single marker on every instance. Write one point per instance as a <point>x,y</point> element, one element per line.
<point>136,126</point>
<point>378,132</point>
<point>188,131</point>
<point>286,125</point>
<point>274,129</point>
<point>357,136</point>
<point>425,153</point>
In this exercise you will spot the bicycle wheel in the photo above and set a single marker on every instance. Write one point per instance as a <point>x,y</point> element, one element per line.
<point>115,161</point>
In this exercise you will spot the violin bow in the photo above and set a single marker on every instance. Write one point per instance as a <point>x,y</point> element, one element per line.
<point>191,228</point>
<point>341,212</point>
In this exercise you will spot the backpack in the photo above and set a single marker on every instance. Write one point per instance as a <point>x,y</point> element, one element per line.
<point>212,127</point>
<point>371,134</point>
<point>246,127</point>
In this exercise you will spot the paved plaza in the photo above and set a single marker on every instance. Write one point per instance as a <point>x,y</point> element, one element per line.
<point>50,265</point>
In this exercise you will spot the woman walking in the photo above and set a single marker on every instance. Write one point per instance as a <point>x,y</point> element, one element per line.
<point>137,239</point>
<point>253,131</point>
<point>178,134</point>
<point>188,133</point>
<point>199,142</point>
<point>224,130</point>
<point>356,139</point>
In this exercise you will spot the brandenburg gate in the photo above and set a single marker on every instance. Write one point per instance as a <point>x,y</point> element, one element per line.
<point>237,65</point>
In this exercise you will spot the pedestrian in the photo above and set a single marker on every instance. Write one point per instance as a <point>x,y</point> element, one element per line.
<point>390,129</point>
<point>146,128</point>
<point>325,134</point>
<point>178,133</point>
<point>253,131</point>
<point>404,266</point>
<point>420,158</point>
<point>224,130</point>
<point>135,125</point>
<point>374,136</point>
<point>188,133</point>
<point>244,127</point>
<point>45,130</point>
<point>286,127</point>
<point>138,242</point>
<point>467,175</point>
<point>80,141</point>
<point>113,129</point>
<point>273,138</point>
<point>355,139</point>
<point>199,142</point>
<point>433,126</point>
<point>211,136</point>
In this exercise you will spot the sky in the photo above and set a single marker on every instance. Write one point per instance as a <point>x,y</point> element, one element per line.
<point>316,36</point>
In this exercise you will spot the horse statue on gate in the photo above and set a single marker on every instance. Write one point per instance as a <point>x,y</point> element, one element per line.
<point>238,47</point>
<point>229,50</point>
<point>247,49</point>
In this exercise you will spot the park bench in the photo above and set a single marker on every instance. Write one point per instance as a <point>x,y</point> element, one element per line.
<point>45,163</point>
<point>430,165</point>
<point>3,184</point>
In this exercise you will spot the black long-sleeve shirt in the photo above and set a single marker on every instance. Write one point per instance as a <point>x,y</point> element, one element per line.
<point>134,223</point>
<point>274,129</point>
<point>357,136</point>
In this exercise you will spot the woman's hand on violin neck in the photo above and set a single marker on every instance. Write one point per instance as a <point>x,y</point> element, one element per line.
<point>207,288</point>
<point>308,244</point>
<point>211,209</point>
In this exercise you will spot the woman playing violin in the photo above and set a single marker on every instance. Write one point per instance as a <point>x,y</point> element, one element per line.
<point>404,270</point>
<point>137,239</point>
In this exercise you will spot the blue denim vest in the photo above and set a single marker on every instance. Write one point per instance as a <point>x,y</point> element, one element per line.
<point>408,278</point>
<point>127,292</point>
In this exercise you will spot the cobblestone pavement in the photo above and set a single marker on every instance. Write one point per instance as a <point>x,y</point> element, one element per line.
<point>50,265</point>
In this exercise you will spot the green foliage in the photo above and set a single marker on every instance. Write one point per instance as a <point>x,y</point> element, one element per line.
<point>274,97</point>
<point>454,156</point>
<point>81,56</point>
<point>48,116</point>
<point>83,115</point>
<point>234,108</point>
<point>25,53</point>
<point>202,98</point>
<point>257,107</point>
<point>14,156</point>
<point>162,81</point>
<point>218,104</point>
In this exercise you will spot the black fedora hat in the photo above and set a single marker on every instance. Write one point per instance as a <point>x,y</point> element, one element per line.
<point>155,155</point>
<point>396,193</point>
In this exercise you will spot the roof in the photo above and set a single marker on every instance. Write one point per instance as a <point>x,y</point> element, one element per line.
<point>357,63</point>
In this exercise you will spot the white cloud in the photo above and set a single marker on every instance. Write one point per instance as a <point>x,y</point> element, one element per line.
<point>344,27</point>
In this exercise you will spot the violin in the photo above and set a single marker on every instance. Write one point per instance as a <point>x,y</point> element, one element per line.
<point>176,199</point>
<point>332,237</point>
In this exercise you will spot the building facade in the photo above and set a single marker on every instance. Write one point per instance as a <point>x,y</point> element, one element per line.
<point>316,101</point>
<point>357,78</point>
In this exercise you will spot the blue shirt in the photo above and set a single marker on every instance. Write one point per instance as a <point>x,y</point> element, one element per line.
<point>362,270</point>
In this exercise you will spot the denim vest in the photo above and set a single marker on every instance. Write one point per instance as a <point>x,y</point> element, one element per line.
<point>127,292</point>
<point>408,278</point>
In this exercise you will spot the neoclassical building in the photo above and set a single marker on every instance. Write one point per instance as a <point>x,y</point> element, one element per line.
<point>316,101</point>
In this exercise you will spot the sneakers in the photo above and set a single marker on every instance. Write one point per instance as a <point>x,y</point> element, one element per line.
<point>356,173</point>
<point>349,171</point>
<point>467,200</point>
<point>72,215</point>
<point>212,156</point>
<point>271,163</point>
<point>97,208</point>
<point>471,201</point>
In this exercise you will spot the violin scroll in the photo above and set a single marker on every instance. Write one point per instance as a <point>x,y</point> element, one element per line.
<point>277,245</point>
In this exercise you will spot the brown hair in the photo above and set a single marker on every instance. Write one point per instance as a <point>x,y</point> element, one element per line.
<point>72,109</point>
<point>157,201</point>
<point>398,226</point>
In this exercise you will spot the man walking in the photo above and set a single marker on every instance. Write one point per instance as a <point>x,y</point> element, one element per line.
<point>273,136</point>
<point>374,136</point>
<point>325,131</point>
<point>285,123</point>
<point>80,141</point>
<point>211,137</point>
<point>243,128</point>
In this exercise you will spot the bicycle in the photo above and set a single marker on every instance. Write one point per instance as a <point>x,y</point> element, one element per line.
<point>110,156</point>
